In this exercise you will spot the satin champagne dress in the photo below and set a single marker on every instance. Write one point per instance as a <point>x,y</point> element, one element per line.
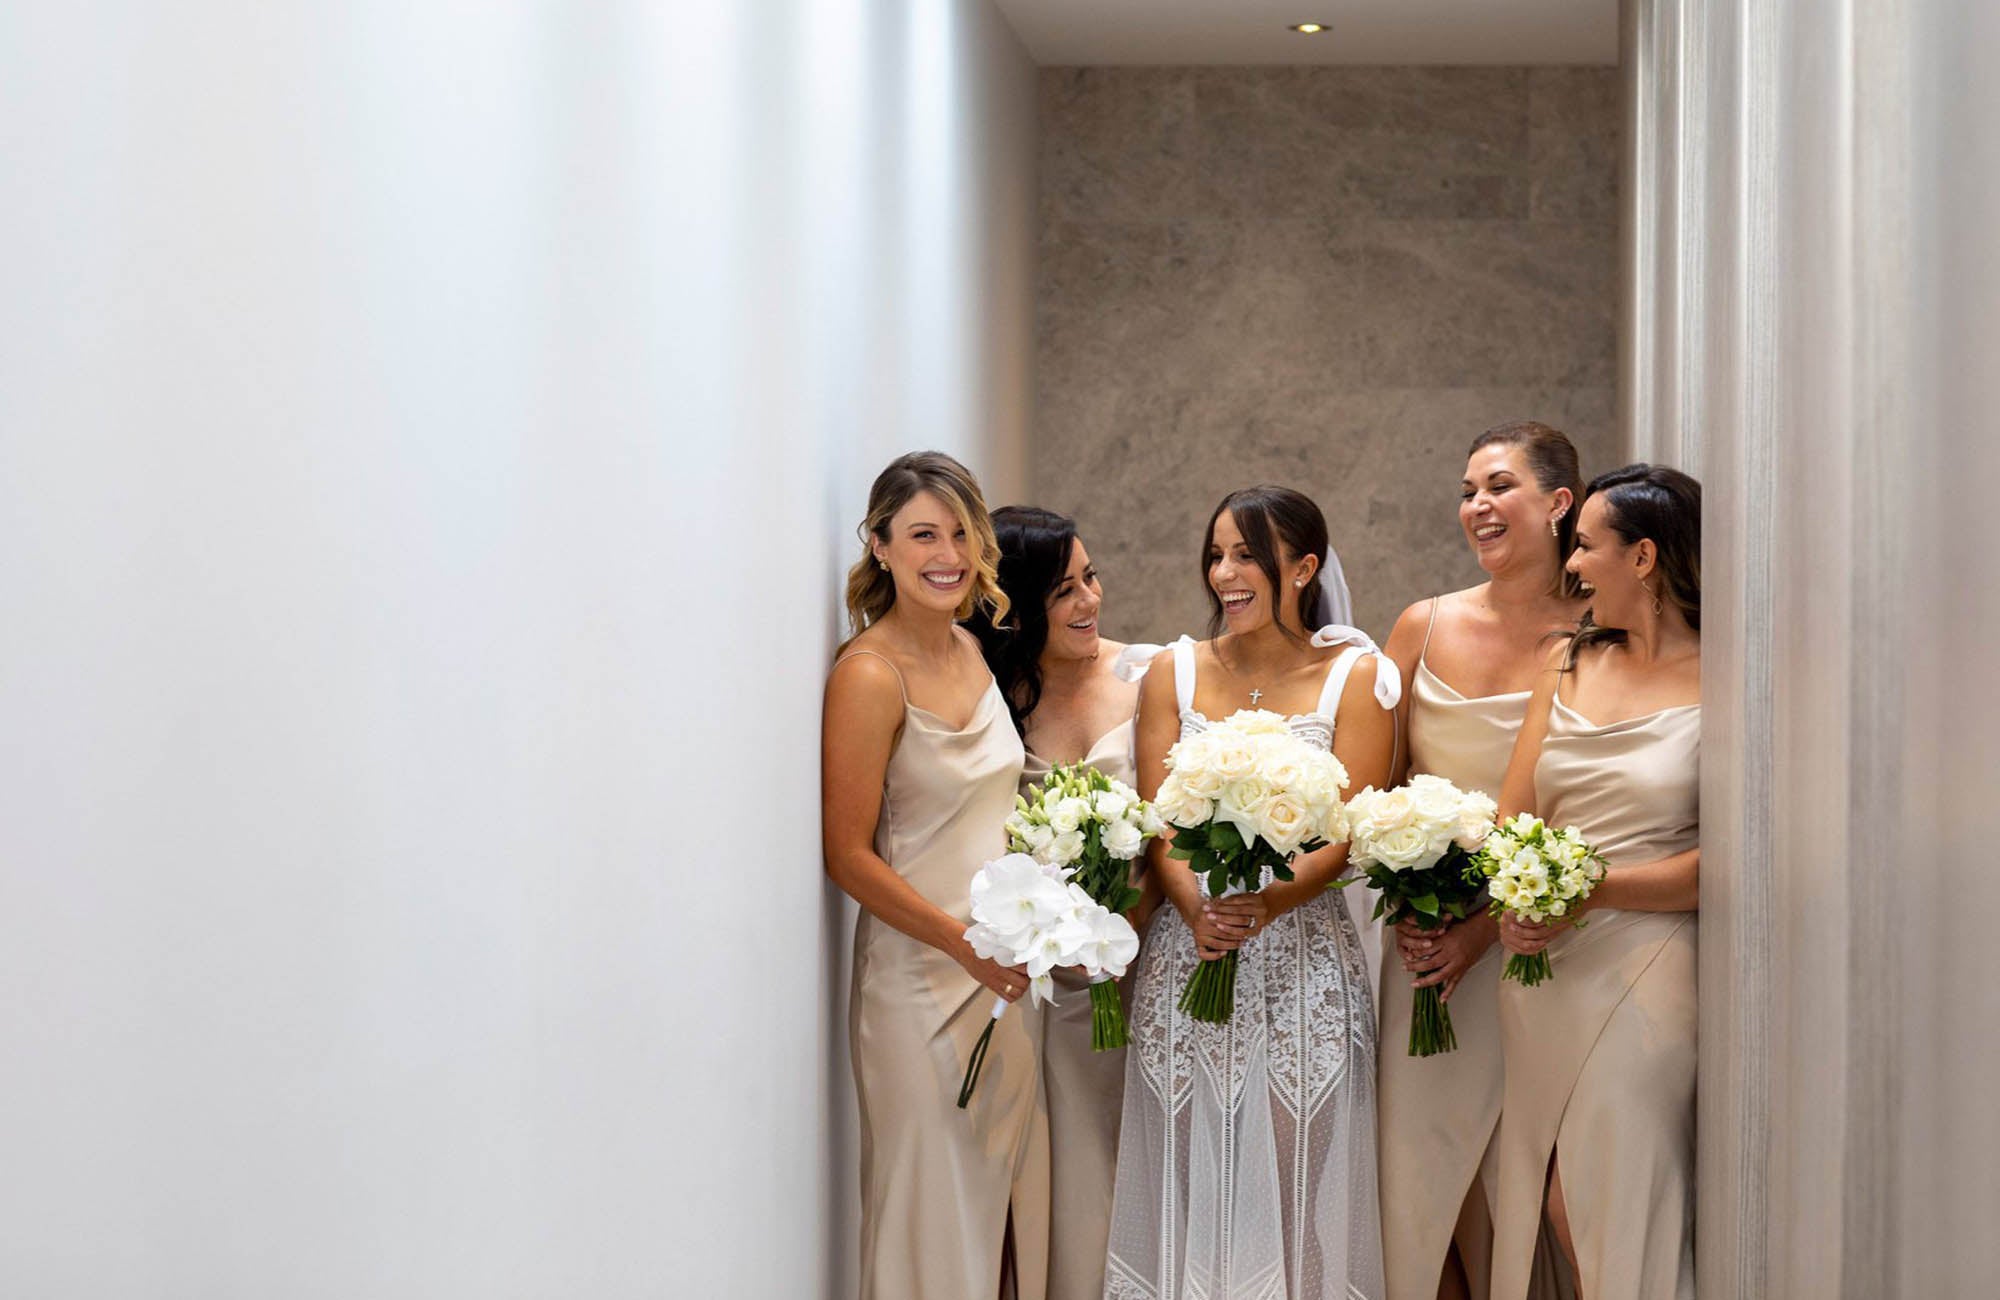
<point>1246,1157</point>
<point>1600,1059</point>
<point>939,1185</point>
<point>1084,1090</point>
<point>1437,1113</point>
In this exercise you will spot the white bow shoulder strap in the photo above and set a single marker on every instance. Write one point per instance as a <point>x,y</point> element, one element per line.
<point>1388,681</point>
<point>1133,661</point>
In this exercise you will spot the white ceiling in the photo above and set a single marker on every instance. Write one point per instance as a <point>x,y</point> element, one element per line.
<point>1091,32</point>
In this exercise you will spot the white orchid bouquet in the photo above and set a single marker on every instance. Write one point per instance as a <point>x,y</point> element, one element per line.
<point>1415,846</point>
<point>1245,796</point>
<point>1091,827</point>
<point>1538,872</point>
<point>1028,914</point>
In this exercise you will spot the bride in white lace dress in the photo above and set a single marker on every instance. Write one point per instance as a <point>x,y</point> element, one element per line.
<point>1246,1167</point>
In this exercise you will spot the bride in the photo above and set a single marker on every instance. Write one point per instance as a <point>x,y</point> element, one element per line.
<point>1246,1165</point>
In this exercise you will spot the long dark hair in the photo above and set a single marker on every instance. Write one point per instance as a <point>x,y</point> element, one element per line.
<point>1035,550</point>
<point>1270,517</point>
<point>1552,459</point>
<point>1661,505</point>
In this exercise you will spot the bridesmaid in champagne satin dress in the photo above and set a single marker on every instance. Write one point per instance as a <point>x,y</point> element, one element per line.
<point>1597,1124</point>
<point>920,764</point>
<point>1074,696</point>
<point>1471,659</point>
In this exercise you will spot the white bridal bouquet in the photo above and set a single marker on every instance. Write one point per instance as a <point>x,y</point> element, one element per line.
<point>1537,872</point>
<point>1415,845</point>
<point>1244,795</point>
<point>1091,827</point>
<point>1028,914</point>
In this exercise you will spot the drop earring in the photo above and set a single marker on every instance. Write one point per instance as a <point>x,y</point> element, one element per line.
<point>1648,587</point>
<point>1553,530</point>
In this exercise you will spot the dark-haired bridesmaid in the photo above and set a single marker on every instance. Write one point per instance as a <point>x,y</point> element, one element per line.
<point>1597,1125</point>
<point>919,768</point>
<point>1471,658</point>
<point>1074,695</point>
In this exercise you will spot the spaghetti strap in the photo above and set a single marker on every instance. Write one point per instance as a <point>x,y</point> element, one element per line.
<point>1184,672</point>
<point>885,659</point>
<point>1435,602</point>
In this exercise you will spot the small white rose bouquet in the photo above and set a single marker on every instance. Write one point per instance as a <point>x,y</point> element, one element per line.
<point>1092,827</point>
<point>1537,872</point>
<point>1245,796</point>
<point>1028,914</point>
<point>1415,845</point>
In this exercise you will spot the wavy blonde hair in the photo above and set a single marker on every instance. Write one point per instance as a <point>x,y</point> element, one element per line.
<point>871,589</point>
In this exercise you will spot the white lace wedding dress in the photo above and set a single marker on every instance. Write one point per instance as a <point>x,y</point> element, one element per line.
<point>1246,1161</point>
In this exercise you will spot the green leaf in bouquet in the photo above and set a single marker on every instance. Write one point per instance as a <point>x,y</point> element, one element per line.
<point>1425,904</point>
<point>1225,839</point>
<point>1218,880</point>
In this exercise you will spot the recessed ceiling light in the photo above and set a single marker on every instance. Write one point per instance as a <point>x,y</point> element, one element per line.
<point>1307,29</point>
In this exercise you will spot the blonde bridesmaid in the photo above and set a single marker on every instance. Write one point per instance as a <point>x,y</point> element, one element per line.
<point>1597,1124</point>
<point>920,763</point>
<point>1471,659</point>
<point>1074,696</point>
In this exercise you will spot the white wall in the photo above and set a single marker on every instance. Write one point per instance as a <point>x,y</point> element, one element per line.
<point>430,438</point>
<point>1824,288</point>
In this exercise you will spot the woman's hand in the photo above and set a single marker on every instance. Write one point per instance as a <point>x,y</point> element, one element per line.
<point>1234,920</point>
<point>1010,982</point>
<point>1217,931</point>
<point>1525,940</point>
<point>1442,957</point>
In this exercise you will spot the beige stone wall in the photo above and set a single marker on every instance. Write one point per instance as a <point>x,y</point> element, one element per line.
<point>1331,278</point>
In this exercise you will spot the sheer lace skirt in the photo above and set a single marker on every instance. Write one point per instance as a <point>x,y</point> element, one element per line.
<point>1246,1165</point>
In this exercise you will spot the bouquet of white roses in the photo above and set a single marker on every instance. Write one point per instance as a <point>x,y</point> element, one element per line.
<point>1537,872</point>
<point>1414,845</point>
<point>1245,795</point>
<point>1027,914</point>
<point>1091,827</point>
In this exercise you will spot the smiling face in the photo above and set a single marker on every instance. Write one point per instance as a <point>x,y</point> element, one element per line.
<point>1248,598</point>
<point>1505,513</point>
<point>1073,607</point>
<point>1614,571</point>
<point>928,554</point>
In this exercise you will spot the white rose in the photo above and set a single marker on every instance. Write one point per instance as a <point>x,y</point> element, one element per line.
<point>1475,821</point>
<point>1122,840</point>
<point>1242,806</point>
<point>1192,754</point>
<point>1109,805</point>
<point>1259,722</point>
<point>1069,814</point>
<point>1286,823</point>
<point>1285,766</point>
<point>1405,848</point>
<point>1388,811</point>
<point>1183,807</point>
<point>1233,759</point>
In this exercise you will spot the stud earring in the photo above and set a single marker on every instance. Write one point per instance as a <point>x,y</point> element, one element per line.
<point>882,564</point>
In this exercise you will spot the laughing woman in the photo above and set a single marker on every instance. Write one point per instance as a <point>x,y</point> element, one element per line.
<point>919,765</point>
<point>1246,1158</point>
<point>1597,1124</point>
<point>1471,658</point>
<point>1073,695</point>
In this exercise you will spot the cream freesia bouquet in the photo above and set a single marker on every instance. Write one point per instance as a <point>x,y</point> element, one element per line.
<point>1090,826</point>
<point>1245,796</point>
<point>1415,846</point>
<point>1538,872</point>
<point>1025,913</point>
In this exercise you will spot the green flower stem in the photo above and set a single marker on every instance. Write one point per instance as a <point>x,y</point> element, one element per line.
<point>1529,970</point>
<point>1430,1024</point>
<point>1107,1017</point>
<point>1210,994</point>
<point>972,1065</point>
